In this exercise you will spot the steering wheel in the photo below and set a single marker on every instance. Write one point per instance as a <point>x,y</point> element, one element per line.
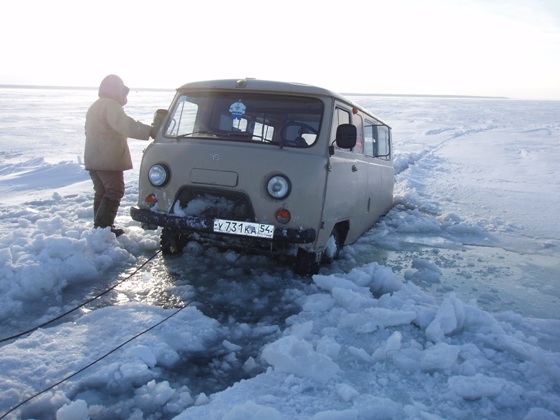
<point>303,129</point>
<point>303,126</point>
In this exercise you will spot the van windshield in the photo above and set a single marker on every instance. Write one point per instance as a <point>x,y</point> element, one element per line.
<point>291,121</point>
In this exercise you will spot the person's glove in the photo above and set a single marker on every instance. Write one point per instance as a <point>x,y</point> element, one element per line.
<point>159,116</point>
<point>153,131</point>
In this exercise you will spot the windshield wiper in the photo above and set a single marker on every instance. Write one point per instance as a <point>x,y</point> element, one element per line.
<point>195,133</point>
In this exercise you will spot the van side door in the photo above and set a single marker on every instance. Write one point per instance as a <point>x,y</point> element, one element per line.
<point>343,197</point>
<point>380,182</point>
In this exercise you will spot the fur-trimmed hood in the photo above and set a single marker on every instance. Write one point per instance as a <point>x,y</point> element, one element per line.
<point>113,87</point>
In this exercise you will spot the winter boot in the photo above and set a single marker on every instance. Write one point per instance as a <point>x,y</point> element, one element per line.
<point>117,231</point>
<point>96,203</point>
<point>106,214</point>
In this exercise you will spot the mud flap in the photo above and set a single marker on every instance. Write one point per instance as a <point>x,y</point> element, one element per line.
<point>307,263</point>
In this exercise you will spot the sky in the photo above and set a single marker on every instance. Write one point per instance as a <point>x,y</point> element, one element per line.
<point>436,47</point>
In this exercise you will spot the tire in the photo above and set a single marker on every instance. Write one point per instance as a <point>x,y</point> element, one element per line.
<point>332,250</point>
<point>171,242</point>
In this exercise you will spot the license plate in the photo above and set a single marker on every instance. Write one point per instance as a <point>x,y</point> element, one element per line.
<point>259,230</point>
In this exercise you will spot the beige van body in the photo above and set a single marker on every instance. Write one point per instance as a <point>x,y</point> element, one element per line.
<point>269,167</point>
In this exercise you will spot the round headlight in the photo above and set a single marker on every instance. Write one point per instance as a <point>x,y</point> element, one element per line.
<point>278,186</point>
<point>158,175</point>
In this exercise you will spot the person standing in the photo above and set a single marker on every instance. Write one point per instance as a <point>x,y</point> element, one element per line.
<point>106,154</point>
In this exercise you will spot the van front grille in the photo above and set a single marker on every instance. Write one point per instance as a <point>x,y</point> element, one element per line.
<point>213,203</point>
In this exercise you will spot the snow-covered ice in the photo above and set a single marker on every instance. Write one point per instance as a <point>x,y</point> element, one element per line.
<point>447,308</point>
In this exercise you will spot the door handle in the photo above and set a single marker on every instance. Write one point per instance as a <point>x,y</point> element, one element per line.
<point>354,169</point>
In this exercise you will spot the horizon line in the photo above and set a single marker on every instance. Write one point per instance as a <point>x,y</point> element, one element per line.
<point>20,86</point>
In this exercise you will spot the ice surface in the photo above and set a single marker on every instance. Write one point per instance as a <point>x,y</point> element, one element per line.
<point>447,308</point>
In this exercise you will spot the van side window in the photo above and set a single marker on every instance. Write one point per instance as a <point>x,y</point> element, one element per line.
<point>383,142</point>
<point>340,116</point>
<point>359,123</point>
<point>377,140</point>
<point>370,142</point>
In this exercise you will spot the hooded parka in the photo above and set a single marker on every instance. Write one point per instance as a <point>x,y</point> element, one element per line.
<point>108,127</point>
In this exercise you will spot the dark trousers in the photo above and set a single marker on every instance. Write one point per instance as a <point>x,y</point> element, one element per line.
<point>108,184</point>
<point>109,190</point>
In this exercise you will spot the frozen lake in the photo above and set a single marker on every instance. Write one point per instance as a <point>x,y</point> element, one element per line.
<point>474,227</point>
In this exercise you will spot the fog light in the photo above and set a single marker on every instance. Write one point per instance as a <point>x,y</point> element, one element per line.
<point>283,216</point>
<point>151,199</point>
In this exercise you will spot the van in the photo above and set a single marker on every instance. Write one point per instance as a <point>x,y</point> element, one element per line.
<point>268,167</point>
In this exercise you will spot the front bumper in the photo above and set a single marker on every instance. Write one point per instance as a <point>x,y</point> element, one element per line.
<point>206,225</point>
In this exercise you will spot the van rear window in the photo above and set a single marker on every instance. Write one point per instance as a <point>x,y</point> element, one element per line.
<point>291,121</point>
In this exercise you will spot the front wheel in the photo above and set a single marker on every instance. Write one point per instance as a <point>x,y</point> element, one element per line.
<point>171,242</point>
<point>332,249</point>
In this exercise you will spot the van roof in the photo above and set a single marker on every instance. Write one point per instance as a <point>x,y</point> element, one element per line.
<point>268,86</point>
<point>257,84</point>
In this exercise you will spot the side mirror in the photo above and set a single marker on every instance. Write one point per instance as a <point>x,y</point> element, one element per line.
<point>159,116</point>
<point>346,136</point>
